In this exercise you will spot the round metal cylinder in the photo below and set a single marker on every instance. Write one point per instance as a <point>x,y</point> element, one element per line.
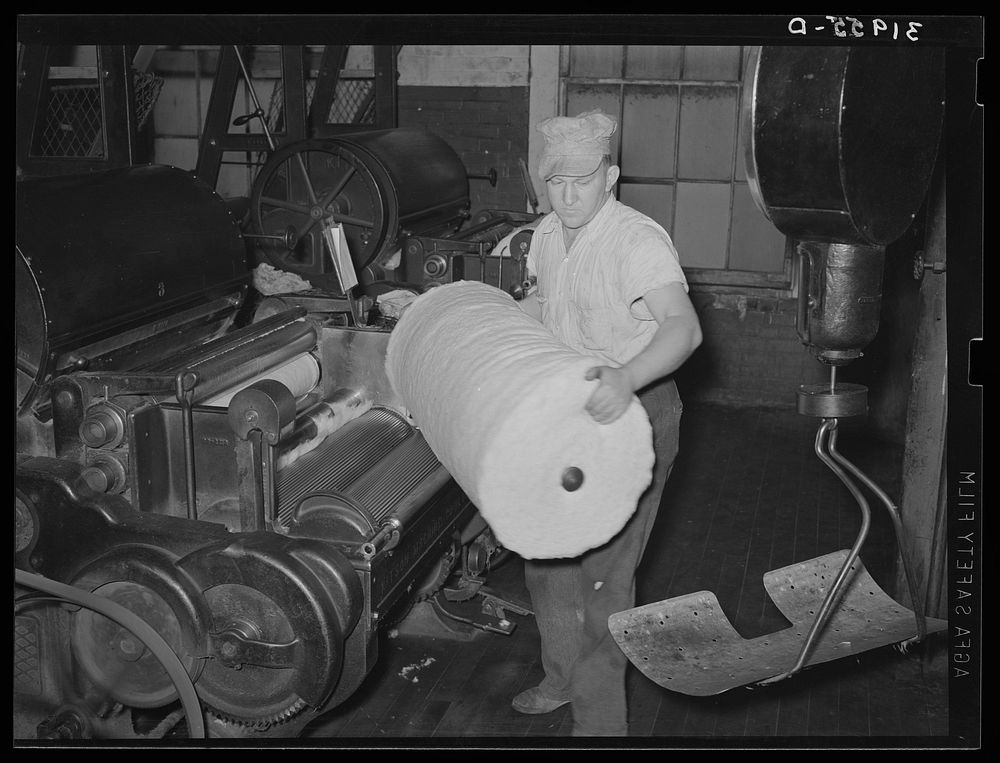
<point>841,401</point>
<point>267,406</point>
<point>103,426</point>
<point>105,475</point>
<point>842,289</point>
<point>377,183</point>
<point>842,141</point>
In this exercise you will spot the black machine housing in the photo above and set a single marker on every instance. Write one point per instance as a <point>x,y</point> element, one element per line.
<point>269,539</point>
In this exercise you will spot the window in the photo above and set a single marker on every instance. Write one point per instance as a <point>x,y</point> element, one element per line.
<point>680,151</point>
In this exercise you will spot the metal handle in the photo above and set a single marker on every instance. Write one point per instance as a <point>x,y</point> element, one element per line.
<point>829,427</point>
<point>491,176</point>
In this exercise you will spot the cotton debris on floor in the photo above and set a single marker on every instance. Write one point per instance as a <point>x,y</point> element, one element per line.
<point>405,672</point>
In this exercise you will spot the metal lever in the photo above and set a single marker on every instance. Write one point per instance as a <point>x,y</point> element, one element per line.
<point>257,112</point>
<point>184,386</point>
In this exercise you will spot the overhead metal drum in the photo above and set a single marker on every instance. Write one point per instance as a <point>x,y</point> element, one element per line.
<point>841,144</point>
<point>842,141</point>
<point>377,184</point>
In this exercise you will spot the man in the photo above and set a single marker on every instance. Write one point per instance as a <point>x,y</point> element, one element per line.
<point>609,284</point>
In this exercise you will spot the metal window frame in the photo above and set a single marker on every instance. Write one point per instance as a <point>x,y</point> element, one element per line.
<point>117,97</point>
<point>780,283</point>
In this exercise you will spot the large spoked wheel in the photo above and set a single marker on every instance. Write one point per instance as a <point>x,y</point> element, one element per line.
<point>304,185</point>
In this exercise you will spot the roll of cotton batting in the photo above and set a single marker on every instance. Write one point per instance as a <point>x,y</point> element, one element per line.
<point>500,401</point>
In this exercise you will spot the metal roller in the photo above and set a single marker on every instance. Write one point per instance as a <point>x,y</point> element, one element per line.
<point>343,460</point>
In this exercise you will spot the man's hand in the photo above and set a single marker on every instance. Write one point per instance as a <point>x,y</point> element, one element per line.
<point>613,395</point>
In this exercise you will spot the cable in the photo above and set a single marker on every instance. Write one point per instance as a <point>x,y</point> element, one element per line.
<point>140,628</point>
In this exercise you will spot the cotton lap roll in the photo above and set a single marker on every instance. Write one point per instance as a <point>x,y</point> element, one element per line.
<point>500,401</point>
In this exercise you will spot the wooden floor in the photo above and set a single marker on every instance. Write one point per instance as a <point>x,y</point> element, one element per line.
<point>747,495</point>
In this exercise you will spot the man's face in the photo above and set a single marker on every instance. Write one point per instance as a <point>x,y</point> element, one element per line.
<point>577,199</point>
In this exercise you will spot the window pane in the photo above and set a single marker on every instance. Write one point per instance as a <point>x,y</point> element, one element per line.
<point>649,131</point>
<point>702,224</point>
<point>756,244</point>
<point>712,62</point>
<point>580,98</point>
<point>708,129</point>
<point>595,61</point>
<point>657,201</point>
<point>653,61</point>
<point>72,122</point>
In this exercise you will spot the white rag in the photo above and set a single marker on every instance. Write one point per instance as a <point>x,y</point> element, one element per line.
<point>500,401</point>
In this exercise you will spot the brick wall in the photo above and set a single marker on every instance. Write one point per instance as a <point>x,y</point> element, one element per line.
<point>486,126</point>
<point>751,354</point>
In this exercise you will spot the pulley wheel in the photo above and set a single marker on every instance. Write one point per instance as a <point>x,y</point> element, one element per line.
<point>280,609</point>
<point>303,185</point>
<point>245,692</point>
<point>119,662</point>
<point>144,580</point>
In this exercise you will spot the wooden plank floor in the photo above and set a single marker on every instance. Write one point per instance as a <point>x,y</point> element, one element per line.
<point>747,495</point>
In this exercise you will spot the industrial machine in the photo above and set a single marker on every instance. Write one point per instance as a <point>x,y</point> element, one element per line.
<point>841,143</point>
<point>377,187</point>
<point>219,503</point>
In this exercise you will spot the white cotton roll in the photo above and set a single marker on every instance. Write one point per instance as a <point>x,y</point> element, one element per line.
<point>501,403</point>
<point>300,375</point>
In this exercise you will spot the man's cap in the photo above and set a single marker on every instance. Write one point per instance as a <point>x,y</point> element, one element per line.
<point>574,145</point>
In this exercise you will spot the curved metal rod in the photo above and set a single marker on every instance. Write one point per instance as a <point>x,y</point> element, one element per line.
<point>897,524</point>
<point>833,595</point>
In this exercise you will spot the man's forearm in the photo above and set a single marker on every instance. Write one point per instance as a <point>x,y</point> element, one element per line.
<point>672,344</point>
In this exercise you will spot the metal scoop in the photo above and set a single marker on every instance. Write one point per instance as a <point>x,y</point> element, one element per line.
<point>836,609</point>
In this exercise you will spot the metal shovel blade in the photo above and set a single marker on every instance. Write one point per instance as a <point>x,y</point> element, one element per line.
<point>688,645</point>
